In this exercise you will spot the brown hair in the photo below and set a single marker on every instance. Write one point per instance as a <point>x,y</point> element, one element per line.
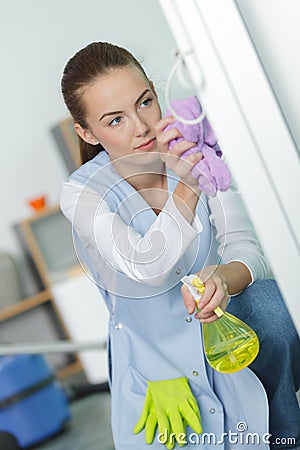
<point>88,64</point>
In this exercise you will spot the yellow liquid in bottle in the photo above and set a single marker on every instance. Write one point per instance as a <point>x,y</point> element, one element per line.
<point>230,344</point>
<point>233,354</point>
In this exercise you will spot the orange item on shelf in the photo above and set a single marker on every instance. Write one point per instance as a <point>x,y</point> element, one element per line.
<point>38,203</point>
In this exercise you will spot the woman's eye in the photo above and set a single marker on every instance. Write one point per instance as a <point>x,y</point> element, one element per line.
<point>115,121</point>
<point>146,102</point>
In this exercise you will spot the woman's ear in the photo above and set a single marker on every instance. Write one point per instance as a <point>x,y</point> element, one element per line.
<point>85,134</point>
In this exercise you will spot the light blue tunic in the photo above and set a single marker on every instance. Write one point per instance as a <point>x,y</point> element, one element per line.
<point>152,338</point>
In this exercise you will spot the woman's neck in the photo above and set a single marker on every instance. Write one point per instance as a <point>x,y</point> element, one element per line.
<point>144,177</point>
<point>150,181</point>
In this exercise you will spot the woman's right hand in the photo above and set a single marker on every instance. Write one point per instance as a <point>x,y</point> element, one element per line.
<point>172,158</point>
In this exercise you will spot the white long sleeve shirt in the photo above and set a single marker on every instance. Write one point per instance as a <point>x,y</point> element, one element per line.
<point>149,258</point>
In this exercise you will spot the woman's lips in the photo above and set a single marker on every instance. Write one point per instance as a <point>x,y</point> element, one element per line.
<point>147,146</point>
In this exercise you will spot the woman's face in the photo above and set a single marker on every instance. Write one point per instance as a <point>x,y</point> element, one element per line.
<point>121,111</point>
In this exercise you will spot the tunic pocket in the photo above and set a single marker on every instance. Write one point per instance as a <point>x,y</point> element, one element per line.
<point>129,403</point>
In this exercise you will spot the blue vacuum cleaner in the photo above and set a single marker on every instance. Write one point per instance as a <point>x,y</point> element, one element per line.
<point>33,406</point>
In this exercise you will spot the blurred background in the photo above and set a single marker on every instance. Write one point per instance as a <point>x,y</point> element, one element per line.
<point>41,287</point>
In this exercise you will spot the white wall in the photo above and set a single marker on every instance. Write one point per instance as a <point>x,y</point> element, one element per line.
<point>274,28</point>
<point>244,112</point>
<point>37,39</point>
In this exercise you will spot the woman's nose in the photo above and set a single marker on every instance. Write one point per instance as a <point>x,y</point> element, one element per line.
<point>140,128</point>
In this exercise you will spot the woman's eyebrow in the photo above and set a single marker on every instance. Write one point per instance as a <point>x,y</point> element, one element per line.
<point>111,113</point>
<point>142,95</point>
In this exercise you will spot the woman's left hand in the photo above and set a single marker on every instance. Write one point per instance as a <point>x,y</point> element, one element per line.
<point>215,294</point>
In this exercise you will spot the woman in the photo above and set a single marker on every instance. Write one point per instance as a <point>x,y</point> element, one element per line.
<point>140,224</point>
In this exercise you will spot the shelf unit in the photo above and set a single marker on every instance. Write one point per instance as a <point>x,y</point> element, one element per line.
<point>25,305</point>
<point>46,240</point>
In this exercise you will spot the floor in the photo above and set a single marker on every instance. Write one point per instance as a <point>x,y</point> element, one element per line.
<point>89,428</point>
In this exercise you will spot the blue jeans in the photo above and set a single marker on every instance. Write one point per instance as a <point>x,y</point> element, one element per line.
<point>278,363</point>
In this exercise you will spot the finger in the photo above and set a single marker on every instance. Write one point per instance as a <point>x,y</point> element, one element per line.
<point>150,428</point>
<point>189,301</point>
<point>163,140</point>
<point>143,418</point>
<point>185,165</point>
<point>203,316</point>
<point>170,443</point>
<point>193,158</point>
<point>210,319</point>
<point>192,418</point>
<point>164,428</point>
<point>181,147</point>
<point>219,296</point>
<point>163,424</point>
<point>140,425</point>
<point>160,126</point>
<point>188,161</point>
<point>182,441</point>
<point>177,426</point>
<point>210,288</point>
<point>194,405</point>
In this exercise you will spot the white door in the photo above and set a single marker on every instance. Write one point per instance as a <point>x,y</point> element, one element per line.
<point>232,86</point>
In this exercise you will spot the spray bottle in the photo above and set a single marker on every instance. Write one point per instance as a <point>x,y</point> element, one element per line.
<point>229,344</point>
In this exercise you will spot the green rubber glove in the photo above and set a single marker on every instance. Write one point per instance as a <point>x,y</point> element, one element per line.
<point>171,405</point>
